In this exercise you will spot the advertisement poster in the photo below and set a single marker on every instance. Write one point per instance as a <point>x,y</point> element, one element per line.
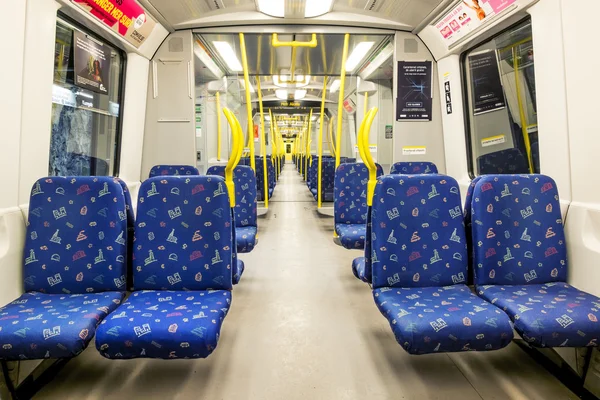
<point>125,17</point>
<point>467,16</point>
<point>92,63</point>
<point>414,90</point>
<point>486,84</point>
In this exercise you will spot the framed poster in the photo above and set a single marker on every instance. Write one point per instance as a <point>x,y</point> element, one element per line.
<point>91,62</point>
<point>414,90</point>
<point>487,92</point>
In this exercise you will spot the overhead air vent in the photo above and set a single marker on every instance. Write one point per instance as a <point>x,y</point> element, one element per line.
<point>294,9</point>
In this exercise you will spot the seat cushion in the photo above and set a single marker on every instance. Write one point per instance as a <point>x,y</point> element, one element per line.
<point>246,238</point>
<point>358,268</point>
<point>443,319</point>
<point>549,315</point>
<point>164,324</point>
<point>352,236</point>
<point>39,325</point>
<point>237,274</point>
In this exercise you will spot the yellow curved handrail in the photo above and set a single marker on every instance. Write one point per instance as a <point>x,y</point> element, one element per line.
<point>359,140</point>
<point>276,43</point>
<point>236,153</point>
<point>332,149</point>
<point>369,159</point>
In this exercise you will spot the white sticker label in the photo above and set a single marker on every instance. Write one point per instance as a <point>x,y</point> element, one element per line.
<point>372,148</point>
<point>414,150</point>
<point>493,140</point>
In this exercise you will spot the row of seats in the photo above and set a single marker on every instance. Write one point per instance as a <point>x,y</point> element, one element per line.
<point>416,261</point>
<point>350,205</point>
<point>76,265</point>
<point>509,161</point>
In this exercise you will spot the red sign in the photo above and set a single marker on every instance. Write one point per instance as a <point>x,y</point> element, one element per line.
<point>125,17</point>
<point>255,131</point>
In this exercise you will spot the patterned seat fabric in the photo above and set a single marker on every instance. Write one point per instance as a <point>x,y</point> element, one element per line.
<point>260,178</point>
<point>358,269</point>
<point>414,168</point>
<point>327,180</point>
<point>165,324</point>
<point>520,261</point>
<point>183,242</point>
<point>468,226</point>
<point>350,203</point>
<point>239,270</point>
<point>245,205</point>
<point>74,267</point>
<point>418,259</point>
<point>510,161</point>
<point>130,233</point>
<point>164,170</point>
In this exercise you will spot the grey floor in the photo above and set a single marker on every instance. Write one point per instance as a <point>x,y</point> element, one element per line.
<point>302,327</point>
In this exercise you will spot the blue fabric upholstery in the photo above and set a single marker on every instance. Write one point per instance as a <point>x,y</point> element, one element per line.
<point>510,161</point>
<point>469,228</point>
<point>164,324</point>
<point>239,270</point>
<point>39,325</point>
<point>183,242</point>
<point>443,319</point>
<point>245,205</point>
<point>418,232</point>
<point>414,168</point>
<point>358,269</point>
<point>327,182</point>
<point>350,203</point>
<point>549,315</point>
<point>260,191</point>
<point>76,236</point>
<point>419,251</point>
<point>517,231</point>
<point>164,170</point>
<point>521,261</point>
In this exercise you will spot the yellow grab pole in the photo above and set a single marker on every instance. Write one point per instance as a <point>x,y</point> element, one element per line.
<point>218,98</point>
<point>338,139</point>
<point>330,141</point>
<point>368,158</point>
<point>320,143</point>
<point>263,145</point>
<point>522,111</point>
<point>361,150</point>
<point>248,101</point>
<point>308,144</point>
<point>236,152</point>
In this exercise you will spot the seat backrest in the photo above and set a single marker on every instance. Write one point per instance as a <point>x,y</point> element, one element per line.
<point>183,234</point>
<point>327,175</point>
<point>417,167</point>
<point>166,170</point>
<point>517,229</point>
<point>509,161</point>
<point>245,193</point>
<point>418,236</point>
<point>130,232</point>
<point>350,193</point>
<point>76,236</point>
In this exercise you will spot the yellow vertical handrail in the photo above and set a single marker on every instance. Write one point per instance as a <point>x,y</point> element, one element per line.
<point>338,139</point>
<point>218,99</point>
<point>248,101</point>
<point>368,158</point>
<point>330,141</point>
<point>236,153</point>
<point>308,144</point>
<point>263,145</point>
<point>522,110</point>
<point>361,150</point>
<point>320,144</point>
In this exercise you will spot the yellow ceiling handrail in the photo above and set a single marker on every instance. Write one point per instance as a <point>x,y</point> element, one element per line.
<point>369,159</point>
<point>276,43</point>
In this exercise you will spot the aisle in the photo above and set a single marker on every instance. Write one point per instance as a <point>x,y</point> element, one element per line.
<point>302,327</point>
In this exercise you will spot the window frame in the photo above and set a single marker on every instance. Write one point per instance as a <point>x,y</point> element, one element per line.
<point>466,94</point>
<point>62,17</point>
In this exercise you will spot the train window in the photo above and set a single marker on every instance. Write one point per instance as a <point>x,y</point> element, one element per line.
<point>501,104</point>
<point>86,98</point>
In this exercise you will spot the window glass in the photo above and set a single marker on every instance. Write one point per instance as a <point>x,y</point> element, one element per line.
<point>501,104</point>
<point>85,104</point>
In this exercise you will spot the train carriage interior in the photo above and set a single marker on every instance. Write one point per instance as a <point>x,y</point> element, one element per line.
<point>300,199</point>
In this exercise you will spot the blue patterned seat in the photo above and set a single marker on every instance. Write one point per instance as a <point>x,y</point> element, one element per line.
<point>509,161</point>
<point>74,268</point>
<point>414,168</point>
<point>246,227</point>
<point>184,265</point>
<point>260,178</point>
<point>130,233</point>
<point>359,270</point>
<point>520,261</point>
<point>350,204</point>
<point>418,264</point>
<point>327,180</point>
<point>165,170</point>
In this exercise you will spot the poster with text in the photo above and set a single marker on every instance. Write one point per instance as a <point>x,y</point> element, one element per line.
<point>486,86</point>
<point>125,17</point>
<point>414,90</point>
<point>467,16</point>
<point>92,63</point>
